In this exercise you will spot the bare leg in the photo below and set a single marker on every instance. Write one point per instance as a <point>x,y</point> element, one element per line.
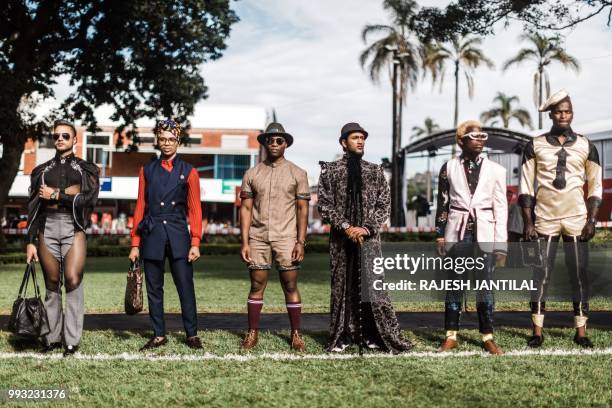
<point>74,265</point>
<point>51,268</point>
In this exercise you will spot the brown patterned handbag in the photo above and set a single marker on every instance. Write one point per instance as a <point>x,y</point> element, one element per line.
<point>133,289</point>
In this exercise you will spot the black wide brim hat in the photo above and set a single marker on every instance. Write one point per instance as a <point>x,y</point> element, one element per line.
<point>275,129</point>
<point>352,127</point>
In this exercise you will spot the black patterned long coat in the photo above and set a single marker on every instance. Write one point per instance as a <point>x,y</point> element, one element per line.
<point>376,202</point>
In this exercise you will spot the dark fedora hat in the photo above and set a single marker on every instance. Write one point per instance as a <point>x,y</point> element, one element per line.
<point>275,129</point>
<point>351,127</point>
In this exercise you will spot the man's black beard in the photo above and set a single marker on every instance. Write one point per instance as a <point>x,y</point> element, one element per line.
<point>357,155</point>
<point>62,152</point>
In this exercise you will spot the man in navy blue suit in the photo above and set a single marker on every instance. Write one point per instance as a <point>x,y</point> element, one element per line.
<point>168,197</point>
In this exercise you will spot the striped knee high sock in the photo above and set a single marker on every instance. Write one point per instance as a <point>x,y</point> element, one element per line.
<point>294,309</point>
<point>254,307</point>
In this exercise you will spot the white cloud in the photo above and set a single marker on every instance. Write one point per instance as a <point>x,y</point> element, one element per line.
<point>301,57</point>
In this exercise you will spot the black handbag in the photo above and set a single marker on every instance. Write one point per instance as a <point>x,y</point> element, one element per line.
<point>29,316</point>
<point>133,290</point>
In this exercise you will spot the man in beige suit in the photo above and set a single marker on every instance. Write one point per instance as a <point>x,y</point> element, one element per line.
<point>471,222</point>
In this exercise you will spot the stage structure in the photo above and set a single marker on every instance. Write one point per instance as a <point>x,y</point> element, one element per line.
<point>504,146</point>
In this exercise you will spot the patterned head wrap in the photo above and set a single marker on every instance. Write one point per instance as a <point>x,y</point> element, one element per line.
<point>168,125</point>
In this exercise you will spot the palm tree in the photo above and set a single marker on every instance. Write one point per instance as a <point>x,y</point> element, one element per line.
<point>397,50</point>
<point>428,128</point>
<point>506,112</point>
<point>544,51</point>
<point>465,54</point>
<point>395,47</point>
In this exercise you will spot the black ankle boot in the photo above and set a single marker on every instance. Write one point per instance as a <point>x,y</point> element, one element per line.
<point>583,341</point>
<point>535,341</point>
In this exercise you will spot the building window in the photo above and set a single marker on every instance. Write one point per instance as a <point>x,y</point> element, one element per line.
<point>97,148</point>
<point>98,140</point>
<point>98,156</point>
<point>229,166</point>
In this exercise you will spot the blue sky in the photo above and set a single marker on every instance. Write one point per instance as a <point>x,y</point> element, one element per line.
<point>301,58</point>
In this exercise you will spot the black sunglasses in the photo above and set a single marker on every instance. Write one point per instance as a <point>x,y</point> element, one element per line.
<point>56,136</point>
<point>275,140</point>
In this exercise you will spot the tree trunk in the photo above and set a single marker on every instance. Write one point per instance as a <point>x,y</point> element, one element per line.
<point>540,100</point>
<point>401,199</point>
<point>394,163</point>
<point>456,120</point>
<point>9,165</point>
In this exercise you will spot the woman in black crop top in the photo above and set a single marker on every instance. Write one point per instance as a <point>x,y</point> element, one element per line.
<point>63,192</point>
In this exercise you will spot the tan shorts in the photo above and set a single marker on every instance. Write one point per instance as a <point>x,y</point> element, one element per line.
<point>564,226</point>
<point>263,253</point>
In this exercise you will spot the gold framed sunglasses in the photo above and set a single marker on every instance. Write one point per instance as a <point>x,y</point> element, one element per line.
<point>167,140</point>
<point>477,135</point>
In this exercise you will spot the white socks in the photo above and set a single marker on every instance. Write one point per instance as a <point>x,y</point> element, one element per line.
<point>580,321</point>
<point>537,319</point>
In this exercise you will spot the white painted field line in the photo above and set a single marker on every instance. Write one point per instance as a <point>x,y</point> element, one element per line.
<point>297,357</point>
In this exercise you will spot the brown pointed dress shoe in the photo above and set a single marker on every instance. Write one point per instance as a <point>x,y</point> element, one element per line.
<point>194,342</point>
<point>250,340</point>
<point>447,345</point>
<point>154,342</point>
<point>297,343</point>
<point>492,348</point>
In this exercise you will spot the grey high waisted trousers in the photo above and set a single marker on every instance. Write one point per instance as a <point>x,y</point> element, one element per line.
<point>61,252</point>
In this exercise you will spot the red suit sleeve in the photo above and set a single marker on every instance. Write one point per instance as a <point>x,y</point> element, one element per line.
<point>194,207</point>
<point>139,210</point>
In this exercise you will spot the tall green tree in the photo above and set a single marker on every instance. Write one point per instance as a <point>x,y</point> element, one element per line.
<point>504,111</point>
<point>395,48</point>
<point>141,57</point>
<point>461,17</point>
<point>394,44</point>
<point>462,54</point>
<point>543,51</point>
<point>428,128</point>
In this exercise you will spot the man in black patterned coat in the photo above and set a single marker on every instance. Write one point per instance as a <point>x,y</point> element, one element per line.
<point>354,198</point>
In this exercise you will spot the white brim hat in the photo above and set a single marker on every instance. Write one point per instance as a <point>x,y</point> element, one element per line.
<point>553,100</point>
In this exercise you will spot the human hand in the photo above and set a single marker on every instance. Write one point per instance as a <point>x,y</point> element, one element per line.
<point>441,247</point>
<point>245,253</point>
<point>297,255</point>
<point>31,253</point>
<point>45,192</point>
<point>588,232</point>
<point>530,233</point>
<point>194,254</point>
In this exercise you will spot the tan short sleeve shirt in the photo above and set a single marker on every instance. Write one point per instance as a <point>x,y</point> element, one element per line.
<point>274,188</point>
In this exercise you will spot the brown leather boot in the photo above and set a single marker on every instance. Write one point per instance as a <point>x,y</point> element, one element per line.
<point>447,345</point>
<point>250,340</point>
<point>297,343</point>
<point>492,348</point>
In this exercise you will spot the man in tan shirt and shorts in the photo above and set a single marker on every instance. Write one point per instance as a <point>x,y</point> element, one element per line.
<point>273,222</point>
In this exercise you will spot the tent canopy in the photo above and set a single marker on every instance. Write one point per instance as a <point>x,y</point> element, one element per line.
<point>502,140</point>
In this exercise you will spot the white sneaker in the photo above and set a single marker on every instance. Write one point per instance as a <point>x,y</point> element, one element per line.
<point>339,348</point>
<point>371,345</point>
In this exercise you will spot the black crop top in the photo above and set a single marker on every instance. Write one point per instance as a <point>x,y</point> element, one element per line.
<point>63,173</point>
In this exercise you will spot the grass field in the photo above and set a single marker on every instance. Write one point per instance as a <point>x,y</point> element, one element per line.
<point>111,372</point>
<point>271,376</point>
<point>222,285</point>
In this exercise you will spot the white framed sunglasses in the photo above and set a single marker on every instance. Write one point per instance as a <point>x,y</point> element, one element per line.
<point>477,135</point>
